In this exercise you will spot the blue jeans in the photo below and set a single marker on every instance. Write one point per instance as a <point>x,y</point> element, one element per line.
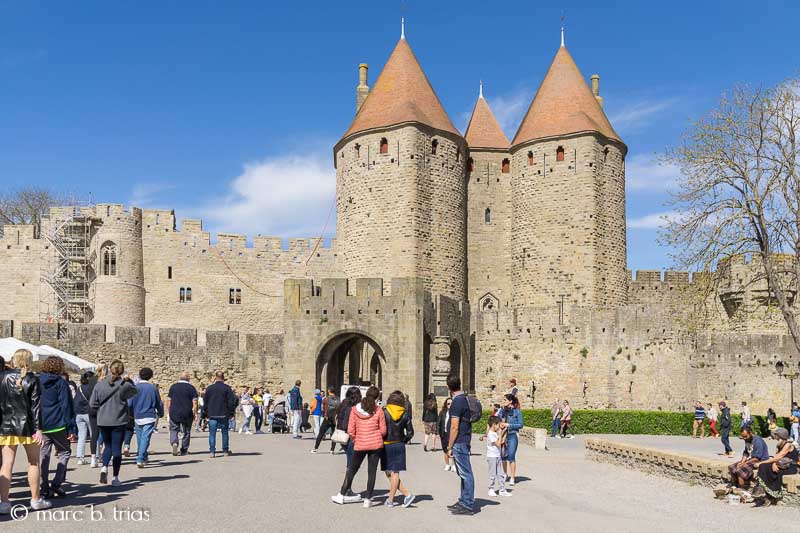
<point>223,425</point>
<point>84,433</point>
<point>464,468</point>
<point>556,423</point>
<point>513,443</point>
<point>143,434</point>
<point>113,437</point>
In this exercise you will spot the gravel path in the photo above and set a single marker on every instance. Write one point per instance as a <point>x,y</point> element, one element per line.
<point>274,483</point>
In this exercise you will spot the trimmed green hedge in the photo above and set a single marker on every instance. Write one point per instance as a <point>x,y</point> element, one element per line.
<point>629,422</point>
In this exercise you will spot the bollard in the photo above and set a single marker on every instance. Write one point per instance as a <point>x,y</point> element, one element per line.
<point>539,438</point>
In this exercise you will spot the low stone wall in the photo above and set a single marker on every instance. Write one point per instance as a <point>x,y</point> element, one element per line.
<point>707,472</point>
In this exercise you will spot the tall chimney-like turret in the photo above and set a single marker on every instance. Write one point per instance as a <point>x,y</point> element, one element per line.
<point>362,91</point>
<point>596,89</point>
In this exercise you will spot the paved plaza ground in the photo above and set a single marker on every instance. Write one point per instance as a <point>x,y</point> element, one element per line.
<point>273,483</point>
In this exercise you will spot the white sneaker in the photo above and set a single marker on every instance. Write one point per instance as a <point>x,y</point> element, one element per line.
<point>240,430</point>
<point>41,503</point>
<point>446,468</point>
<point>570,436</point>
<point>354,498</point>
<point>313,450</point>
<point>338,498</point>
<point>248,432</point>
<point>367,503</point>
<point>5,507</point>
<point>94,463</point>
<point>390,503</point>
<point>511,482</point>
<point>116,482</point>
<point>492,493</point>
<point>81,461</point>
<point>505,493</point>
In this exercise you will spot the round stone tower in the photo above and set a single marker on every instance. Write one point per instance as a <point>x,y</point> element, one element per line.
<point>568,241</point>
<point>118,288</point>
<point>401,192</point>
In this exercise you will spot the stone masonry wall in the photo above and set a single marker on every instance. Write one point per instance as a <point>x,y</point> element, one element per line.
<point>20,261</point>
<point>489,243</point>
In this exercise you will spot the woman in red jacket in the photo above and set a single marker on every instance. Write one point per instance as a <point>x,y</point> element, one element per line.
<point>367,428</point>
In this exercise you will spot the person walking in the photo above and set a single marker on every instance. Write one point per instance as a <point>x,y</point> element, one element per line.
<point>20,425</point>
<point>512,423</point>
<point>110,401</point>
<point>494,445</point>
<point>746,418</point>
<point>296,407</point>
<point>147,409</point>
<point>444,421</point>
<point>57,416</point>
<point>80,404</point>
<point>459,430</point>
<point>258,409</point>
<point>351,398</point>
<point>316,411</point>
<point>772,419</point>
<point>699,417</point>
<point>555,417</point>
<point>725,424</point>
<point>712,414</point>
<point>566,421</point>
<point>182,405</point>
<point>430,421</point>
<point>220,403</point>
<point>96,441</point>
<point>330,406</point>
<point>202,420</point>
<point>248,406</point>
<point>366,428</point>
<point>399,432</point>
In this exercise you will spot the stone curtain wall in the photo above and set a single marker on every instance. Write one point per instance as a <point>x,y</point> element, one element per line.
<point>403,213</point>
<point>20,262</point>
<point>259,364</point>
<point>489,244</point>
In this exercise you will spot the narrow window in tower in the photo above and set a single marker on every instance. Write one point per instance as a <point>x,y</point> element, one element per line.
<point>384,146</point>
<point>605,155</point>
<point>108,254</point>
<point>487,216</point>
<point>194,241</point>
<point>158,218</point>
<point>230,244</point>
<point>560,153</point>
<point>108,210</point>
<point>238,296</point>
<point>458,155</point>
<point>358,150</point>
<point>169,272</point>
<point>434,146</point>
<point>188,295</point>
<point>182,298</point>
<point>530,159</point>
<point>470,164</point>
<point>230,296</point>
<point>506,166</point>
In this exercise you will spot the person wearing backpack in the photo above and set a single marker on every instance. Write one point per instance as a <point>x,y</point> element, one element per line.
<point>316,411</point>
<point>459,430</point>
<point>330,407</point>
<point>296,406</point>
<point>512,422</point>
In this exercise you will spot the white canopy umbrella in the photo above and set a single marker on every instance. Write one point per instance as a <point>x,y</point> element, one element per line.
<point>73,363</point>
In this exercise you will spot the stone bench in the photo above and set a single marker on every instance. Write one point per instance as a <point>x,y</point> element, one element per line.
<point>662,463</point>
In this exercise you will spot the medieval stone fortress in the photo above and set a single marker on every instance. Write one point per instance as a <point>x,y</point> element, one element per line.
<point>467,254</point>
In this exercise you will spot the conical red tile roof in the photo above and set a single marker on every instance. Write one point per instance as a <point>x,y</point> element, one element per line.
<point>563,104</point>
<point>483,130</point>
<point>402,93</point>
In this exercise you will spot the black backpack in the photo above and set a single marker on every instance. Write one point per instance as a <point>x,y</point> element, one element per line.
<point>332,404</point>
<point>475,408</point>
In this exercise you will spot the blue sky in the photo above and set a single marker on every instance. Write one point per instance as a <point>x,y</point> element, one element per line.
<point>228,111</point>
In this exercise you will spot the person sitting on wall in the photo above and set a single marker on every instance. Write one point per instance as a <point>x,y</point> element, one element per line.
<point>755,450</point>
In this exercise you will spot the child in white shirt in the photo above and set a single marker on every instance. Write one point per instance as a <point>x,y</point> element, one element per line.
<point>494,441</point>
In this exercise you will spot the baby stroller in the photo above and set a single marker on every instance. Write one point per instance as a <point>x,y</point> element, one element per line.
<point>280,421</point>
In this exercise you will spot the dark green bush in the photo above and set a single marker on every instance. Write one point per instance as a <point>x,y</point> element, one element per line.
<point>630,422</point>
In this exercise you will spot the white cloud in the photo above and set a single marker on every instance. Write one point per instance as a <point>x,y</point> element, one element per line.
<point>643,173</point>
<point>287,196</point>
<point>652,221</point>
<point>637,115</point>
<point>146,194</point>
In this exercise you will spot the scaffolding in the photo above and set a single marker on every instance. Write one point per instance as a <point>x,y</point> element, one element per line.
<point>68,273</point>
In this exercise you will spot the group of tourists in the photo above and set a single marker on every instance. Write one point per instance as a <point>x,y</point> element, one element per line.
<point>561,420</point>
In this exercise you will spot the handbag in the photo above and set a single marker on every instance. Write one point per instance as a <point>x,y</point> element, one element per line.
<point>340,437</point>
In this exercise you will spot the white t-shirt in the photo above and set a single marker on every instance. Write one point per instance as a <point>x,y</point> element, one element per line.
<point>492,445</point>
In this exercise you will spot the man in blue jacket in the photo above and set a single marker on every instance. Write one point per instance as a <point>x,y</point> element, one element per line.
<point>57,417</point>
<point>147,409</point>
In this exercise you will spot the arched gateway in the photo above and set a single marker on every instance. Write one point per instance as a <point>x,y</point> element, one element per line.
<point>350,358</point>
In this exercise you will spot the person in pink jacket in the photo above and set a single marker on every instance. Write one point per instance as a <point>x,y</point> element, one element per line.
<point>367,427</point>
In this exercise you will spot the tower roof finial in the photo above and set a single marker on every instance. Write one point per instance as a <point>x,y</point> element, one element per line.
<point>562,27</point>
<point>402,27</point>
<point>480,90</point>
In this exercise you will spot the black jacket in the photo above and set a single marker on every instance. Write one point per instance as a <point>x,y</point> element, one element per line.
<point>20,410</point>
<point>725,419</point>
<point>219,401</point>
<point>343,415</point>
<point>400,431</point>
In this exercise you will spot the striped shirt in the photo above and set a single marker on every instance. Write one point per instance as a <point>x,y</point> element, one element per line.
<point>699,413</point>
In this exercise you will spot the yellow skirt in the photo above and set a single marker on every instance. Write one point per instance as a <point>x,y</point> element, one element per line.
<point>14,440</point>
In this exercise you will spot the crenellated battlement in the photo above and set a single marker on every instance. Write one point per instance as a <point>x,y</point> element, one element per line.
<point>19,234</point>
<point>304,295</point>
